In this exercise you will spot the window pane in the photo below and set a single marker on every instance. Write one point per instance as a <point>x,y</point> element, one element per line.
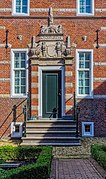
<point>17,90</point>
<point>87,82</point>
<point>86,74</point>
<point>16,56</point>
<point>23,89</point>
<point>87,128</point>
<point>80,82</point>
<point>22,64</point>
<point>18,9</point>
<point>24,2</point>
<point>16,73</point>
<point>81,90</point>
<point>87,64</point>
<point>81,74</point>
<point>23,73</point>
<point>16,65</point>
<point>82,2</point>
<point>17,81</point>
<point>88,2</point>
<point>81,56</point>
<point>82,9</point>
<point>23,56</point>
<point>23,81</point>
<point>81,64</point>
<point>86,90</point>
<point>18,2</point>
<point>17,128</point>
<point>24,9</point>
<point>88,9</point>
<point>87,56</point>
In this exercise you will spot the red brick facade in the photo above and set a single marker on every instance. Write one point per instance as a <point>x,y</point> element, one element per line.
<point>64,14</point>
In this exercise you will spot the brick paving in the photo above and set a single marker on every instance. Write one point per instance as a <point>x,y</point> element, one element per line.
<point>76,169</point>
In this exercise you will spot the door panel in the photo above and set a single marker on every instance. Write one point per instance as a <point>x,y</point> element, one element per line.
<point>51,97</point>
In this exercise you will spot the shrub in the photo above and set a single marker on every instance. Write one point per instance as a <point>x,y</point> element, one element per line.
<point>2,172</point>
<point>19,153</point>
<point>99,154</point>
<point>38,170</point>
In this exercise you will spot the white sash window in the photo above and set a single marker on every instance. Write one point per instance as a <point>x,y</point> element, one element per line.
<point>85,7</point>
<point>20,7</point>
<point>19,73</point>
<point>84,66</point>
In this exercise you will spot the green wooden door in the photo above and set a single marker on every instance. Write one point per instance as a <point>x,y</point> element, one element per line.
<point>51,94</point>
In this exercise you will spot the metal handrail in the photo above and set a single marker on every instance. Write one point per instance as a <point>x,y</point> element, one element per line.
<point>25,112</point>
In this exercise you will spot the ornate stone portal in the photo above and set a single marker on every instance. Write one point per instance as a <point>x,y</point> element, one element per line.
<point>51,44</point>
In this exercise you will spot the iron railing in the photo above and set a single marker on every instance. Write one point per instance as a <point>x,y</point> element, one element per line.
<point>25,112</point>
<point>76,112</point>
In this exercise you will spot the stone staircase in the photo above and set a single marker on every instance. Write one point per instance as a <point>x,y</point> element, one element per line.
<point>55,132</point>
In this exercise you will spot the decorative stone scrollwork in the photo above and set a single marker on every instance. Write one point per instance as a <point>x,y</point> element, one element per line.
<point>50,44</point>
<point>59,29</point>
<point>53,29</point>
<point>58,49</point>
<point>43,48</point>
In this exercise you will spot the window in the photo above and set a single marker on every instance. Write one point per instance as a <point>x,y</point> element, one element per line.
<point>85,7</point>
<point>16,129</point>
<point>84,65</point>
<point>19,73</point>
<point>87,129</point>
<point>20,7</point>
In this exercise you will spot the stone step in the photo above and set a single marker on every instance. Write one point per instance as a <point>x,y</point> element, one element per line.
<point>49,123</point>
<point>51,144</point>
<point>50,126</point>
<point>51,139</point>
<point>51,133</point>
<point>49,120</point>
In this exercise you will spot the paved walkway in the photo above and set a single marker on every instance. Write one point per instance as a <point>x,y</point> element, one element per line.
<point>76,169</point>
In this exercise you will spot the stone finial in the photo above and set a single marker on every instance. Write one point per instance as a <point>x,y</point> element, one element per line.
<point>33,41</point>
<point>68,42</point>
<point>50,16</point>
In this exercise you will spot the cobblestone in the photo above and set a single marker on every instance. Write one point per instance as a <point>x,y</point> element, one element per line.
<point>76,169</point>
<point>82,151</point>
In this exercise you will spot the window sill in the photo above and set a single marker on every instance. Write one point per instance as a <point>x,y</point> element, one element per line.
<point>18,96</point>
<point>87,135</point>
<point>84,97</point>
<point>85,14</point>
<point>20,14</point>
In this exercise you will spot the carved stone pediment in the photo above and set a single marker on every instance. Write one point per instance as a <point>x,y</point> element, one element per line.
<point>52,29</point>
<point>51,42</point>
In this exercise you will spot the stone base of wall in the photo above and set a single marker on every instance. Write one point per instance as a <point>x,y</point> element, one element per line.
<point>83,151</point>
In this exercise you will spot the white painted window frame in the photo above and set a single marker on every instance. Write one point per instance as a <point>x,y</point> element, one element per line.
<point>91,74</point>
<point>14,13</point>
<point>16,134</point>
<point>13,95</point>
<point>51,68</point>
<point>84,14</point>
<point>88,134</point>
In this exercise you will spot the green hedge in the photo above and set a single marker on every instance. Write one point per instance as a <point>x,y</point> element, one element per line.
<point>99,154</point>
<point>19,153</point>
<point>38,170</point>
